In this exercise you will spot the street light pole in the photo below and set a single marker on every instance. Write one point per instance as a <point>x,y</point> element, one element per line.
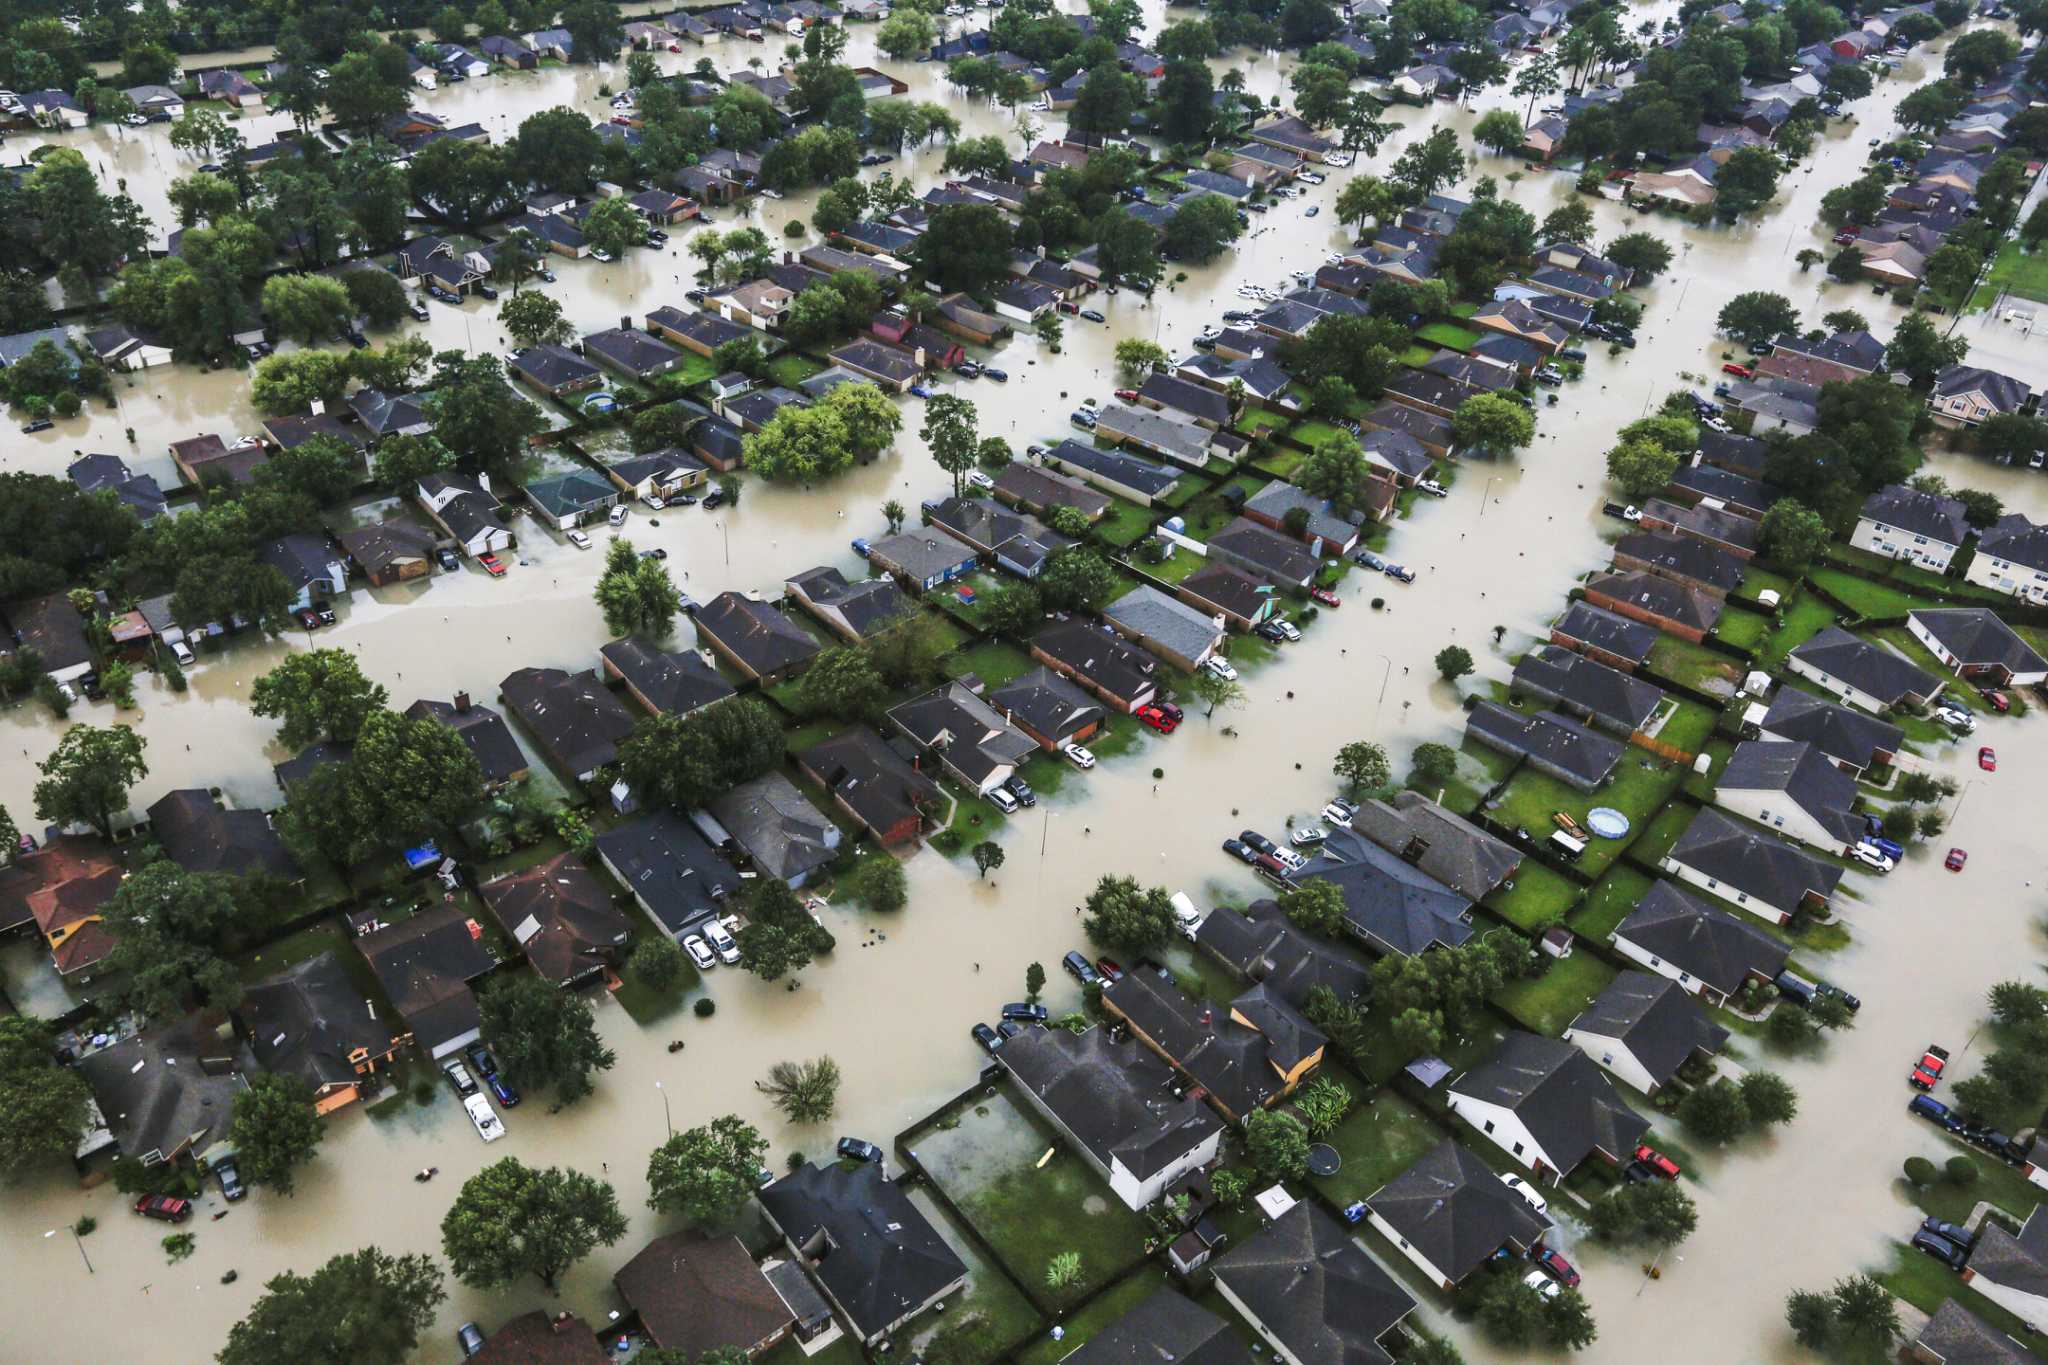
<point>666,1116</point>
<point>79,1242</point>
<point>1386,674</point>
<point>1486,493</point>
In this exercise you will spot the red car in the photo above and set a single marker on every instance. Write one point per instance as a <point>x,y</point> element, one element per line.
<point>1157,719</point>
<point>1987,759</point>
<point>1128,395</point>
<point>1846,236</point>
<point>1996,698</point>
<point>1111,970</point>
<point>163,1207</point>
<point>1557,1265</point>
<point>1739,371</point>
<point>1326,597</point>
<point>1657,1161</point>
<point>1955,860</point>
<point>1927,1071</point>
<point>493,565</point>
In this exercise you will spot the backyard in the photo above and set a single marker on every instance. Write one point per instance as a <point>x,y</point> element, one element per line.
<point>1611,898</point>
<point>1538,899</point>
<point>2015,270</point>
<point>1381,1137</point>
<point>986,1163</point>
<point>1640,785</point>
<point>1695,666</point>
<point>1551,1001</point>
<point>1742,629</point>
<point>979,1325</point>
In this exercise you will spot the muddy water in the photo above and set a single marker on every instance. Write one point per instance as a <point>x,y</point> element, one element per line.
<point>1501,551</point>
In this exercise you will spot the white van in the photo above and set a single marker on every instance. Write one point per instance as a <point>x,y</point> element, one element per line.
<point>1565,844</point>
<point>1184,913</point>
<point>617,516</point>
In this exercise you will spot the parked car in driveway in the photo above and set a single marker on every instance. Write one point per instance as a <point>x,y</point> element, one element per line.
<point>1339,813</point>
<point>1256,841</point>
<point>1025,1013</point>
<point>1527,1192</point>
<point>859,1149</point>
<point>1220,667</point>
<point>1952,1254</point>
<point>1081,969</point>
<point>1872,859</point>
<point>1557,1265</point>
<point>989,1039</point>
<point>1078,756</point>
<point>164,1208</point>
<point>1021,789</point>
<point>459,1077</point>
<point>700,953</point>
<point>1657,1161</point>
<point>1156,717</point>
<point>483,1118</point>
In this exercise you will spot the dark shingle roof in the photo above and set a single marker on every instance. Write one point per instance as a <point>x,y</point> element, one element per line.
<point>1099,657</point>
<point>2002,391</point>
<point>1442,844</point>
<point>1165,1328</point>
<point>1117,1098</point>
<point>755,632</point>
<point>1868,668</point>
<point>2014,1262</point>
<point>1656,1018</point>
<point>1668,600</point>
<point>1318,1294</point>
<point>1621,699</point>
<point>1956,1336</point>
<point>200,836</point>
<point>1453,1209</point>
<point>1554,738</point>
<point>668,863</point>
<point>675,682</point>
<point>1803,773</point>
<point>1710,944</point>
<point>1262,945</point>
<point>1560,1095</point>
<point>1923,514</point>
<point>1606,632</point>
<point>867,605</point>
<point>778,826</point>
<point>696,1294</point>
<point>1683,556</point>
<point>561,916</point>
<point>1976,637</point>
<point>483,730</point>
<point>309,1020</point>
<point>574,718</point>
<point>1387,900</point>
<point>425,965</point>
<point>2017,541</point>
<point>1836,731</point>
<point>887,1259</point>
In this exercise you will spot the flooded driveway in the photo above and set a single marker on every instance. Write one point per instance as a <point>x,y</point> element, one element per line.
<point>895,1002</point>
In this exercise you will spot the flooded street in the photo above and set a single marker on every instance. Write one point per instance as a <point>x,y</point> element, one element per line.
<point>894,1004</point>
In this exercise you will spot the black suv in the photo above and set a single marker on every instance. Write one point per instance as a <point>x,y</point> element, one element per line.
<point>859,1149</point>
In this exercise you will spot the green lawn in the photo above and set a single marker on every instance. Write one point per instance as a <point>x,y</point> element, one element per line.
<point>1415,357</point>
<point>1743,629</point>
<point>1479,768</point>
<point>1756,581</point>
<point>1701,785</point>
<point>1803,618</point>
<point>1252,421</point>
<point>789,1351</point>
<point>1610,900</point>
<point>974,615</point>
<point>1551,1001</point>
<point>1866,598</point>
<point>1911,576</point>
<point>1640,785</point>
<point>2015,271</point>
<point>995,662</point>
<point>979,1325</point>
<point>1380,1138</point>
<point>1449,335</point>
<point>790,369</point>
<point>1125,523</point>
<point>1539,898</point>
<point>1181,494</point>
<point>1655,839</point>
<point>1281,462</point>
<point>641,1001</point>
<point>1996,1182</point>
<point>1314,432</point>
<point>1924,1282</point>
<point>1689,726</point>
<point>1695,665</point>
<point>1119,1299</point>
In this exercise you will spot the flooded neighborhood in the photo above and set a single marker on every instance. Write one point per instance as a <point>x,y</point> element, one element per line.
<point>969,684</point>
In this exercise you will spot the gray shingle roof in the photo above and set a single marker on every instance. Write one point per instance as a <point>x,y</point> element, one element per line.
<point>2016,1262</point>
<point>1560,1095</point>
<point>2016,540</point>
<point>1442,844</point>
<point>1116,1097</point>
<point>1174,625</point>
<point>778,826</point>
<point>1836,731</point>
<point>1956,1336</point>
<point>1868,668</point>
<point>1976,637</point>
<point>1606,632</point>
<point>675,682</point>
<point>1389,901</point>
<point>1553,738</point>
<point>1923,514</point>
<point>755,632</point>
<point>1803,773</point>
<point>1683,556</point>
<point>1453,1209</point>
<point>1623,701</point>
<point>887,1259</point>
<point>1657,1019</point>
<point>1710,944</point>
<point>1314,1290</point>
<point>2002,391</point>
<point>1166,1327</point>
<point>1680,603</point>
<point>1262,945</point>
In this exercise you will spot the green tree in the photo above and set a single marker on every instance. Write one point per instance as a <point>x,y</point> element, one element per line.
<point>706,1174</point>
<point>596,30</point>
<point>307,307</point>
<point>805,1092</point>
<point>44,1107</point>
<point>375,295</point>
<point>1317,906</point>
<point>967,246</point>
<point>477,415</point>
<point>1568,1321</point>
<point>1201,228</point>
<point>400,462</point>
<point>317,694</point>
<point>1570,221</point>
<point>1716,1111</point>
<point>949,432</point>
<point>1658,1212</point>
<point>546,1036</point>
<point>1049,328</point>
<point>1793,535</point>
<point>880,885</point>
<point>1453,662</point>
<point>685,761</point>
<point>1034,981</point>
<point>1758,316</point>
<point>1748,180</point>
<point>1077,578</point>
<point>843,682</point>
<point>1811,1317</point>
<point>171,929</point>
<point>1364,199</point>
<point>275,1129</point>
<point>365,1306</point>
<point>1919,351</point>
<point>1952,273</point>
<point>1433,764</point>
<point>1512,1313</point>
<point>534,319</point>
<point>512,1220</point>
<point>988,856</point>
<point>1214,690</point>
<point>1428,165</point>
<point>1641,468</point>
<point>905,34</point>
<point>1277,1144</point>
<point>1126,917</point>
<point>780,936</point>
<point>557,149</point>
<point>1489,423</point>
<point>614,225</point>
<point>636,595</point>
<point>658,963</point>
<point>1866,1313</point>
<point>87,777</point>
<point>1498,129</point>
<point>1363,766</point>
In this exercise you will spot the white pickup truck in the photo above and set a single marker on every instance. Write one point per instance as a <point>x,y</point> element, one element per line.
<point>488,1125</point>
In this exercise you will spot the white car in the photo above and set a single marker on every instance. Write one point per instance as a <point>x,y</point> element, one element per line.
<point>977,479</point>
<point>598,253</point>
<point>1872,858</point>
<point>182,652</point>
<point>1339,813</point>
<point>699,954</point>
<point>1287,628</point>
<point>771,194</point>
<point>1335,258</point>
<point>1078,756</point>
<point>1294,861</point>
<point>1221,668</point>
<point>1543,1284</point>
<point>1956,718</point>
<point>1001,800</point>
<point>617,516</point>
<point>1631,513</point>
<point>723,943</point>
<point>1433,488</point>
<point>1309,835</point>
<point>1310,177</point>
<point>483,1118</point>
<point>1338,159</point>
<point>578,539</point>
<point>1527,1191</point>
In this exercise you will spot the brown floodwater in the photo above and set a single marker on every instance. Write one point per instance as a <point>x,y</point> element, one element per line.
<point>894,1003</point>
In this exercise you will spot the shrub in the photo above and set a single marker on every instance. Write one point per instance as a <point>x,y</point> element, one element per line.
<point>1961,1170</point>
<point>705,1007</point>
<point>794,228</point>
<point>66,404</point>
<point>1920,1171</point>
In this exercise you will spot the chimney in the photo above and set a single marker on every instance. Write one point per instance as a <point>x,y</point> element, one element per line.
<point>462,703</point>
<point>626,322</point>
<point>1412,851</point>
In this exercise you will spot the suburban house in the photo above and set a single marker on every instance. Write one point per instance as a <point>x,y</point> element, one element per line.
<point>1739,863</point>
<point>697,1294</point>
<point>1031,489</point>
<point>1390,903</point>
<point>485,733</point>
<point>1956,1336</point>
<point>1113,471</point>
<point>1310,1291</point>
<point>1262,946</point>
<point>1221,591</point>
<point>760,304</point>
<point>2011,1269</point>
<point>763,644</point>
<point>1166,626</point>
<point>313,568</point>
<point>311,1023</point>
<point>575,719</point>
<point>1706,950</point>
<point>230,88</point>
<point>1167,434</point>
<point>630,352</point>
<point>1101,663</point>
<point>425,965</point>
<point>1854,741</point>
<point>888,796</point>
<point>968,739</point>
<point>1643,1028</point>
<point>1863,674</point>
<point>672,871</point>
<point>390,414</point>
<point>156,99</point>
<point>170,1091</point>
<point>1904,523</point>
<point>1016,541</point>
<point>1965,395</point>
<point>2012,557</point>
<point>1795,788</point>
<point>1544,1103</point>
<point>466,510</point>
<point>664,682</point>
<point>52,627</point>
<point>562,917</point>
<point>1603,637</point>
<point>61,889</point>
<point>1675,608</point>
<point>871,1249</point>
<point>853,611</point>
<point>1681,559</point>
<point>920,560</point>
<point>1978,647</point>
<point>388,552</point>
<point>1166,1326</point>
<point>1246,1058</point>
<point>1400,456</point>
<point>1046,707</point>
<point>662,474</point>
<point>1450,1214</point>
<point>1547,741</point>
<point>554,370</point>
<point>1696,483</point>
<point>768,822</point>
<point>1326,532</point>
<point>1119,1107</point>
<point>1440,843</point>
<point>1265,554</point>
<point>1581,688</point>
<point>208,462</point>
<point>538,1336</point>
<point>1715,526</point>
<point>120,347</point>
<point>200,834</point>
